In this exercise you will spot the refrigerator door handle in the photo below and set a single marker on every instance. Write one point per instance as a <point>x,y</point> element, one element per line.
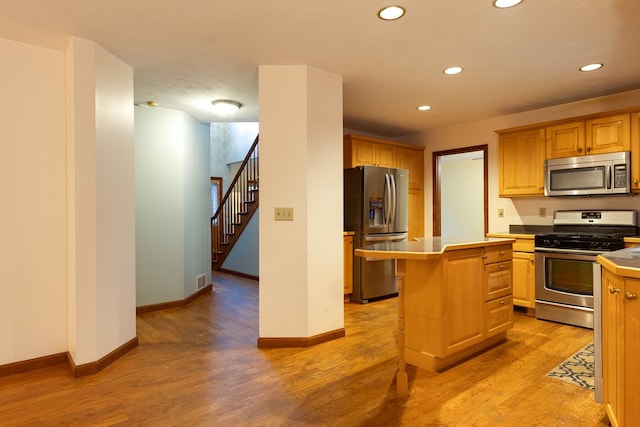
<point>387,200</point>
<point>394,202</point>
<point>389,238</point>
<point>398,237</point>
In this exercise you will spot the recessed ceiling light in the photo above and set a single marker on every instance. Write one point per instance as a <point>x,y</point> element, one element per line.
<point>424,108</point>
<point>591,67</point>
<point>390,13</point>
<point>225,107</point>
<point>453,70</point>
<point>504,4</point>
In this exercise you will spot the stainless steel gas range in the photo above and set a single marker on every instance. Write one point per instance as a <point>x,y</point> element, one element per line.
<point>566,257</point>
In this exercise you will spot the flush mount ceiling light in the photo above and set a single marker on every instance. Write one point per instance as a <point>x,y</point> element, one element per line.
<point>591,67</point>
<point>225,107</point>
<point>504,4</point>
<point>452,70</point>
<point>424,108</point>
<point>391,13</point>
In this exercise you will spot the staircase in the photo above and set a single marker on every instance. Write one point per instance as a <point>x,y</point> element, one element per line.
<point>236,208</point>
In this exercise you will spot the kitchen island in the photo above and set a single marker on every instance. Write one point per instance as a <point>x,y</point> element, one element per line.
<point>621,335</point>
<point>454,298</point>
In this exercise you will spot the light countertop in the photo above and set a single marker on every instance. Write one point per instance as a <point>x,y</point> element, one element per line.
<point>625,262</point>
<point>429,247</point>
<point>506,234</point>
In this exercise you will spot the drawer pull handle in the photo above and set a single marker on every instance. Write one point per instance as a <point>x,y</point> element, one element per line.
<point>501,252</point>
<point>630,295</point>
<point>613,290</point>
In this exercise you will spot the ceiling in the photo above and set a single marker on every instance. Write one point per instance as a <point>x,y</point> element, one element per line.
<point>187,53</point>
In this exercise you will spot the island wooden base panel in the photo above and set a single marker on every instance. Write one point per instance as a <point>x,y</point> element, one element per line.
<point>198,365</point>
<point>434,363</point>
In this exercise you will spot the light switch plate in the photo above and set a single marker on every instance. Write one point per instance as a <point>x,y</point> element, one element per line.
<point>283,214</point>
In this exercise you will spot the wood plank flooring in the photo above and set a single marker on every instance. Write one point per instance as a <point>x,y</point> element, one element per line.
<point>199,366</point>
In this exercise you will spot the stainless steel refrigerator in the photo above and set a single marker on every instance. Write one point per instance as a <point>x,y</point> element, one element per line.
<point>376,209</point>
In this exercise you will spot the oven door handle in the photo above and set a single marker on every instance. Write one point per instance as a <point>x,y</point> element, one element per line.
<point>609,178</point>
<point>567,251</point>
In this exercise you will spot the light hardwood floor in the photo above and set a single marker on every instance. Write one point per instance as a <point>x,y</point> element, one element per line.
<point>199,366</point>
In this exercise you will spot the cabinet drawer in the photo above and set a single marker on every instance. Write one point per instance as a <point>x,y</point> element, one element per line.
<point>497,254</point>
<point>524,245</point>
<point>498,279</point>
<point>498,315</point>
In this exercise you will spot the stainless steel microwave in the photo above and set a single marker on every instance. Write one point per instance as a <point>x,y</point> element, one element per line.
<point>598,174</point>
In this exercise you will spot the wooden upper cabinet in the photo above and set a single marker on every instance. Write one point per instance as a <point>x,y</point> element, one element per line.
<point>413,160</point>
<point>565,140</point>
<point>608,134</point>
<point>599,135</point>
<point>521,162</point>
<point>363,151</point>
<point>635,151</point>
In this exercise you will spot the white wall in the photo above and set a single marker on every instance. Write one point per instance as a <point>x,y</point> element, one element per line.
<point>300,167</point>
<point>197,227</point>
<point>519,210</point>
<point>33,214</point>
<point>245,256</point>
<point>173,237</point>
<point>67,252</point>
<point>230,143</point>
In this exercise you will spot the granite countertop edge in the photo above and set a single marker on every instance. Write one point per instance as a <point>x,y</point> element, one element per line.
<point>427,248</point>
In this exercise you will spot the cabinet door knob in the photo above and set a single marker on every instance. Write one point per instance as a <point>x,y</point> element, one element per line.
<point>501,302</point>
<point>630,295</point>
<point>501,266</point>
<point>588,148</point>
<point>484,256</point>
<point>579,149</point>
<point>613,290</point>
<point>501,252</point>
<point>635,182</point>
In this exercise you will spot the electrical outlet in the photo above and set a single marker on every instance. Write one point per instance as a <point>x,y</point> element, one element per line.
<point>542,212</point>
<point>283,214</point>
<point>500,213</point>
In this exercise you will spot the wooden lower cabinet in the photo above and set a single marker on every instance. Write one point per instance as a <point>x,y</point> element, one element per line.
<point>620,348</point>
<point>524,277</point>
<point>456,305</point>
<point>498,315</point>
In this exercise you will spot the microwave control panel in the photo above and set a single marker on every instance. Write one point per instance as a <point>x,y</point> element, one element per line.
<point>620,176</point>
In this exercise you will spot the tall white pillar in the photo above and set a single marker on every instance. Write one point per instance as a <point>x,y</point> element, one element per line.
<point>301,261</point>
<point>100,203</point>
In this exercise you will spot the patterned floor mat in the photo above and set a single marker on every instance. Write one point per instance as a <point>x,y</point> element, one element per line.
<point>578,369</point>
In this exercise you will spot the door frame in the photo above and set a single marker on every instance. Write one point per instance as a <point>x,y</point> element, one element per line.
<point>437,198</point>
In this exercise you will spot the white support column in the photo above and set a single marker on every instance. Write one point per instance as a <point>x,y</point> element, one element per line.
<point>100,202</point>
<point>301,293</point>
